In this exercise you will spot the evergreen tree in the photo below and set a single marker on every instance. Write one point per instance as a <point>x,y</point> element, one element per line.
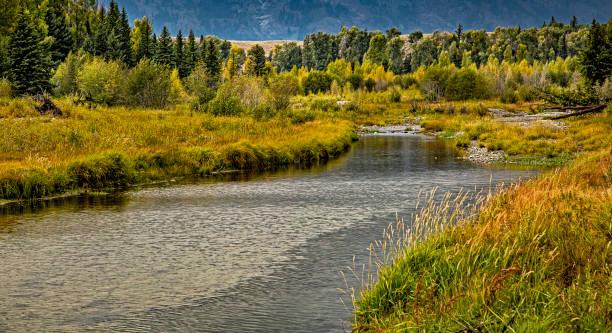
<point>596,65</point>
<point>508,54</point>
<point>574,23</point>
<point>62,37</point>
<point>125,43</point>
<point>144,49</point>
<point>378,49</point>
<point>459,31</point>
<point>5,63</point>
<point>163,52</point>
<point>113,44</point>
<point>153,47</point>
<point>179,55</point>
<point>100,35</point>
<point>30,60</point>
<point>191,53</point>
<point>257,58</point>
<point>212,60</point>
<point>395,55</point>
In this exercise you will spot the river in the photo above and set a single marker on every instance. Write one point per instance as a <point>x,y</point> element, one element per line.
<point>248,253</point>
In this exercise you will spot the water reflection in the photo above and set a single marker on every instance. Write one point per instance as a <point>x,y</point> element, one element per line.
<point>257,255</point>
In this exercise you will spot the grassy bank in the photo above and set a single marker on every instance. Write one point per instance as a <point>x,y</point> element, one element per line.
<point>113,147</point>
<point>535,259</point>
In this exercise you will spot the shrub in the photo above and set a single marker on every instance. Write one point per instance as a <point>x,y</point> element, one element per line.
<point>5,88</point>
<point>324,105</point>
<point>301,116</point>
<point>282,87</point>
<point>466,83</point>
<point>316,82</point>
<point>370,84</point>
<point>65,77</point>
<point>101,81</point>
<point>509,96</point>
<point>149,84</point>
<point>355,80</point>
<point>225,102</point>
<point>527,94</point>
<point>434,81</point>
<point>395,96</point>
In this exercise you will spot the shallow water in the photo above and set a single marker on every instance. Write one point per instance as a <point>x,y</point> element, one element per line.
<point>253,253</point>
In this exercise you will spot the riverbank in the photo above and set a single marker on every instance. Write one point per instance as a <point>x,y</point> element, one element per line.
<point>89,149</point>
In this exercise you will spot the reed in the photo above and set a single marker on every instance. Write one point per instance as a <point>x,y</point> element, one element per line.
<point>534,256</point>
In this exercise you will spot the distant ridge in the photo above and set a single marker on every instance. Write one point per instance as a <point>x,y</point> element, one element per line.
<point>291,20</point>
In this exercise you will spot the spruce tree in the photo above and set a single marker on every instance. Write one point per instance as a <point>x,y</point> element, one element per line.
<point>63,40</point>
<point>179,55</point>
<point>5,63</point>
<point>144,47</point>
<point>100,34</point>
<point>191,53</point>
<point>30,61</point>
<point>163,52</point>
<point>125,42</point>
<point>213,62</point>
<point>595,65</point>
<point>153,47</point>
<point>257,57</point>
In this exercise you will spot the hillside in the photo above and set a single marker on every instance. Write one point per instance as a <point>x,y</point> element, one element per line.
<point>275,19</point>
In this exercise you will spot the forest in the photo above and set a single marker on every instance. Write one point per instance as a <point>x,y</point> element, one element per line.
<point>95,55</point>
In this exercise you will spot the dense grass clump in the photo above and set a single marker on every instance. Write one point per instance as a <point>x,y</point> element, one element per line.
<point>536,258</point>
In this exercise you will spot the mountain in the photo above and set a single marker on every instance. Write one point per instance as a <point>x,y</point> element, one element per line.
<point>275,19</point>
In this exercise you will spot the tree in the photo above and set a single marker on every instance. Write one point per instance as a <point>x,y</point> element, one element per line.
<point>284,57</point>
<point>596,64</point>
<point>163,52</point>
<point>125,43</point>
<point>57,28</point>
<point>459,31</point>
<point>316,82</point>
<point>392,33</point>
<point>213,63</point>
<point>30,61</point>
<point>191,53</point>
<point>378,50</point>
<point>99,43</point>
<point>143,45</point>
<point>574,23</point>
<point>257,59</point>
<point>415,36</point>
<point>395,55</point>
<point>238,55</point>
<point>508,54</point>
<point>178,55</point>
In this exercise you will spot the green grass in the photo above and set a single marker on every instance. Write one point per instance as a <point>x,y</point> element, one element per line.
<point>116,147</point>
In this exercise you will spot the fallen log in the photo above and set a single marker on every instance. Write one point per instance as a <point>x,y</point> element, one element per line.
<point>592,108</point>
<point>563,108</point>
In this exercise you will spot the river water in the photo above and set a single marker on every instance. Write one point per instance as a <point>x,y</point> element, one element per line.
<point>251,253</point>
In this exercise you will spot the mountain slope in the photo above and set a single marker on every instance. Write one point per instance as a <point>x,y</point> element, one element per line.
<point>275,19</point>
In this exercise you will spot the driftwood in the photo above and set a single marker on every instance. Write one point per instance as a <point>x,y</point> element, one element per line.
<point>47,106</point>
<point>583,110</point>
<point>563,108</point>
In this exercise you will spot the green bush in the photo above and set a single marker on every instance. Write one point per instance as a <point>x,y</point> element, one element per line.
<point>355,80</point>
<point>65,77</point>
<point>370,84</point>
<point>395,96</point>
<point>5,88</point>
<point>527,94</point>
<point>434,82</point>
<point>509,96</point>
<point>282,87</point>
<point>324,104</point>
<point>100,81</point>
<point>465,84</point>
<point>316,82</point>
<point>149,85</point>
<point>225,103</point>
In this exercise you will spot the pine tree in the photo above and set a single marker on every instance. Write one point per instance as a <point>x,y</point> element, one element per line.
<point>191,53</point>
<point>163,52</point>
<point>574,23</point>
<point>30,60</point>
<point>113,44</point>
<point>58,29</point>
<point>100,35</point>
<point>257,57</point>
<point>179,55</point>
<point>144,49</point>
<point>125,43</point>
<point>212,60</point>
<point>596,66</point>
<point>153,47</point>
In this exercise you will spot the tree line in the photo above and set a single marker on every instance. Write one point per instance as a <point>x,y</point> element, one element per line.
<point>51,46</point>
